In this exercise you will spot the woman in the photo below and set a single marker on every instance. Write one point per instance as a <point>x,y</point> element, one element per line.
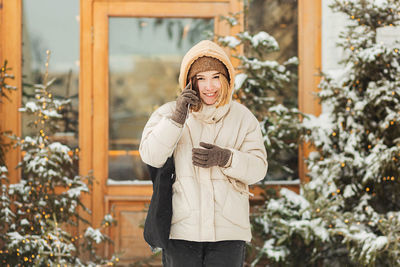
<point>218,151</point>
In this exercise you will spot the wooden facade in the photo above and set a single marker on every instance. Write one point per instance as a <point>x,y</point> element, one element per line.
<point>128,202</point>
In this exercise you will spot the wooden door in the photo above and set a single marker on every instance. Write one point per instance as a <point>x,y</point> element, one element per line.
<point>135,48</point>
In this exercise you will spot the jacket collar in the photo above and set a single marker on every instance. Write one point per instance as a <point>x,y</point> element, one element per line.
<point>211,114</point>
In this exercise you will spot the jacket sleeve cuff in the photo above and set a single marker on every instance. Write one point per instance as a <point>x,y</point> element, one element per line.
<point>246,168</point>
<point>177,124</point>
<point>228,164</point>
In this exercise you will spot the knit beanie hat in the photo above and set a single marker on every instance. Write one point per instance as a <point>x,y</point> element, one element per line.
<point>206,63</point>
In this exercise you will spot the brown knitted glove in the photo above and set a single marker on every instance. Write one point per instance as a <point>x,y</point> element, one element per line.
<point>188,96</point>
<point>212,155</point>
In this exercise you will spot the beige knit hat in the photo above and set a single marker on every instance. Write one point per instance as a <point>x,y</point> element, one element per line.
<point>206,63</point>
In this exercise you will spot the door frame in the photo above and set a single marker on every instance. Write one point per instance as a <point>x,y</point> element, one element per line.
<point>10,38</point>
<point>94,91</point>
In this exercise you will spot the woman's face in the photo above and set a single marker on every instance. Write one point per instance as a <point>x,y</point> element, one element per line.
<point>209,86</point>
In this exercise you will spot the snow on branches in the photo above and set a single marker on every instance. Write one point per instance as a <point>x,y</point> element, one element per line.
<point>350,209</point>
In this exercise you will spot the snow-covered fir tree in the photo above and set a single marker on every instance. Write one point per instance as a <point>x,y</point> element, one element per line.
<point>349,213</point>
<point>39,215</point>
<point>267,87</point>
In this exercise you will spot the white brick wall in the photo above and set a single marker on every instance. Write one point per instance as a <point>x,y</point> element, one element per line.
<point>332,25</point>
<point>388,36</point>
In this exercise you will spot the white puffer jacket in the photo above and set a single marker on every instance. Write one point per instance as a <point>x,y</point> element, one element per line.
<point>209,204</point>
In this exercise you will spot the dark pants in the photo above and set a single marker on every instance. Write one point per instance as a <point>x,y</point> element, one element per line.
<point>181,253</point>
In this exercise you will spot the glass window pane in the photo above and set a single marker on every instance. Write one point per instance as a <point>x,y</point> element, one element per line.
<point>52,25</point>
<point>144,61</point>
<point>279,19</point>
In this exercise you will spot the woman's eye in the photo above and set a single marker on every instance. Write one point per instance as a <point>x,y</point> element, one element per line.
<point>200,79</point>
<point>216,77</point>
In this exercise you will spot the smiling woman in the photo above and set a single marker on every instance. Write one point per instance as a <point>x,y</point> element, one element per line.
<point>218,152</point>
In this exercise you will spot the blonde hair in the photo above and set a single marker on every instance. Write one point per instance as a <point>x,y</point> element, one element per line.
<point>223,97</point>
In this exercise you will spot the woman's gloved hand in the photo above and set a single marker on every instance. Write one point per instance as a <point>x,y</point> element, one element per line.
<point>188,96</point>
<point>210,156</point>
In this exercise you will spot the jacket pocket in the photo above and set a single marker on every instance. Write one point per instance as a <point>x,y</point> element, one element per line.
<point>180,207</point>
<point>236,208</point>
